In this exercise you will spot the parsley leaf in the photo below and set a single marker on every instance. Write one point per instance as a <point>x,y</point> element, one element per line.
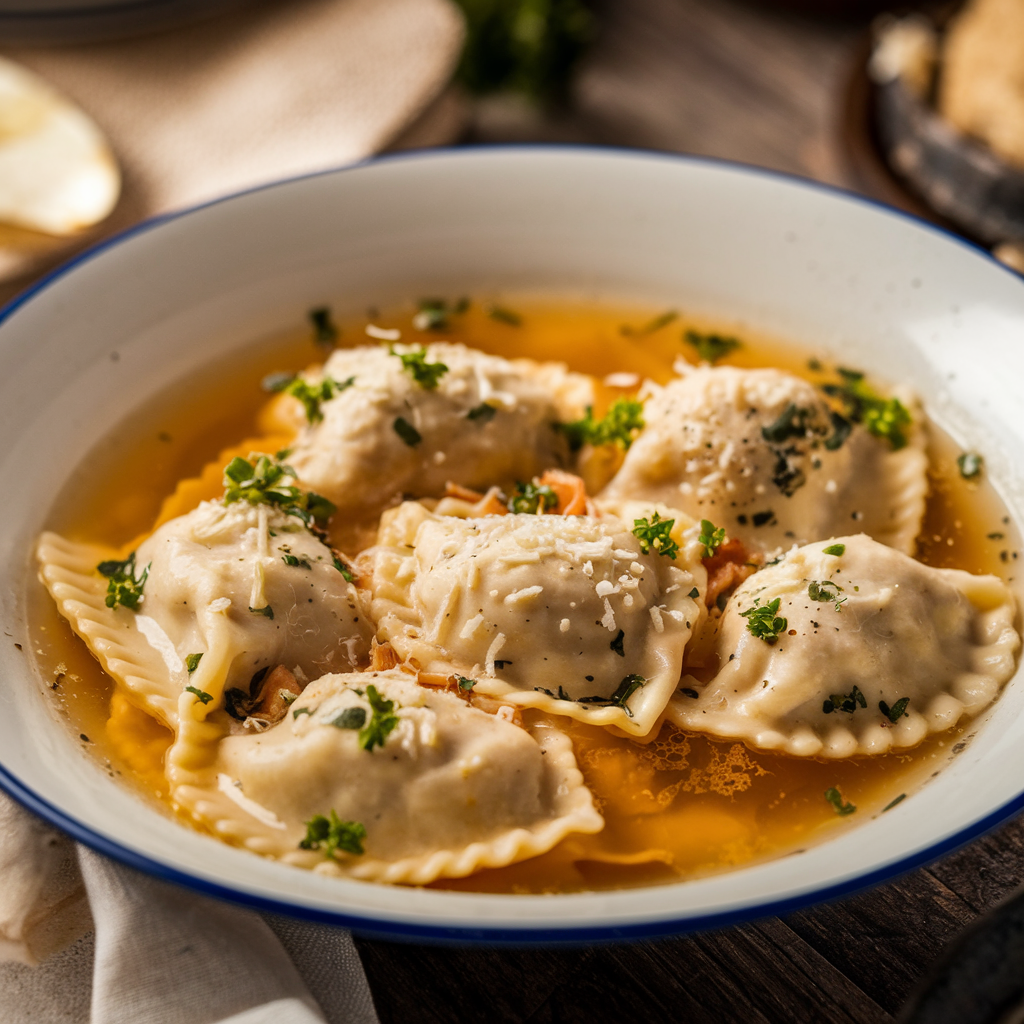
<point>834,549</point>
<point>826,590</point>
<point>301,711</point>
<point>791,422</point>
<point>891,805</point>
<point>324,331</point>
<point>504,315</point>
<point>377,730</point>
<point>344,570</point>
<point>897,711</point>
<point>124,587</point>
<point>465,683</point>
<point>312,396</point>
<point>711,538</point>
<point>482,412</point>
<point>415,364</point>
<point>763,622</point>
<point>266,611</point>
<point>835,798</point>
<point>407,432</point>
<point>435,314</point>
<point>847,702</point>
<point>711,347</point>
<point>629,685</point>
<point>260,482</point>
<point>192,662</point>
<point>970,465</point>
<point>533,499</point>
<point>293,560</point>
<point>886,418</point>
<point>202,695</point>
<point>332,834</point>
<point>619,425</point>
<point>350,718</point>
<point>656,533</point>
<point>655,324</point>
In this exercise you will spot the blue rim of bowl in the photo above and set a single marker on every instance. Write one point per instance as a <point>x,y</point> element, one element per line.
<point>501,935</point>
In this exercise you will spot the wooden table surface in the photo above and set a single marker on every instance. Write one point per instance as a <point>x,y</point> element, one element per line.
<point>746,82</point>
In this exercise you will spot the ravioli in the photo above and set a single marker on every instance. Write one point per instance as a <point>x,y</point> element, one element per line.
<point>877,651</point>
<point>760,453</point>
<point>394,431</point>
<point>450,790</point>
<point>562,613</point>
<point>246,587</point>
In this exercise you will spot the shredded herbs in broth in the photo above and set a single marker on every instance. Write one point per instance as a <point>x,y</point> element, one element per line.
<point>681,806</point>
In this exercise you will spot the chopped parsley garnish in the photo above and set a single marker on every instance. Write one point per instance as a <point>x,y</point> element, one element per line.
<point>711,347</point>
<point>890,806</point>
<point>301,711</point>
<point>407,432</point>
<point>415,364</point>
<point>897,711</point>
<point>201,695</point>
<point>293,560</point>
<point>886,418</point>
<point>617,644</point>
<point>834,549</point>
<point>124,587</point>
<point>504,315</point>
<point>192,662</point>
<point>765,518</point>
<point>835,798</point>
<point>533,499</point>
<point>312,396</point>
<point>629,685</point>
<point>848,702</point>
<point>332,834</point>
<point>791,422</point>
<point>695,593</point>
<point>260,482</point>
<point>826,590</point>
<point>377,730</point>
<point>710,538</point>
<point>483,412</point>
<point>350,718</point>
<point>970,465</point>
<point>324,331</point>
<point>619,425</point>
<point>841,428</point>
<point>465,683</point>
<point>266,611</point>
<point>344,570</point>
<point>764,622</point>
<point>239,703</point>
<point>655,534</point>
<point>435,314</point>
<point>662,320</point>
<point>561,695</point>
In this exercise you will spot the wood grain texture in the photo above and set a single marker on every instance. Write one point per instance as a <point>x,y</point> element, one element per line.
<point>745,82</point>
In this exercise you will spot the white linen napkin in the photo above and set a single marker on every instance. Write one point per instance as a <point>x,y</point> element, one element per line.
<point>159,954</point>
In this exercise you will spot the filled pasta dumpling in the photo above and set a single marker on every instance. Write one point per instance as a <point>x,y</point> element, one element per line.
<point>762,454</point>
<point>850,647</point>
<point>577,615</point>
<point>407,420</point>
<point>376,777</point>
<point>208,601</point>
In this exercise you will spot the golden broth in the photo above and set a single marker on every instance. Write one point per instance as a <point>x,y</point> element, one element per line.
<point>682,806</point>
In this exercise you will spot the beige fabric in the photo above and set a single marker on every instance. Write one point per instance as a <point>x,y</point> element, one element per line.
<point>276,89</point>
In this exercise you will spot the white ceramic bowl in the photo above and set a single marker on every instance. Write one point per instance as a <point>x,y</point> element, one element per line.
<point>894,296</point>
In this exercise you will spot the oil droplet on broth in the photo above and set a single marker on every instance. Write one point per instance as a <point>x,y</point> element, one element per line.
<point>680,807</point>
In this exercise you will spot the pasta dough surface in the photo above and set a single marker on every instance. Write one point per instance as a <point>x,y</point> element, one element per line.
<point>485,421</point>
<point>451,790</point>
<point>547,611</point>
<point>751,451</point>
<point>864,627</point>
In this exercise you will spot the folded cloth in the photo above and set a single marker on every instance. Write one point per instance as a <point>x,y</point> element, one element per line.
<point>277,88</point>
<point>159,954</point>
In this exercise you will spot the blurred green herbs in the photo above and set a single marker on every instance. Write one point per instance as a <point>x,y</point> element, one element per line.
<point>526,46</point>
